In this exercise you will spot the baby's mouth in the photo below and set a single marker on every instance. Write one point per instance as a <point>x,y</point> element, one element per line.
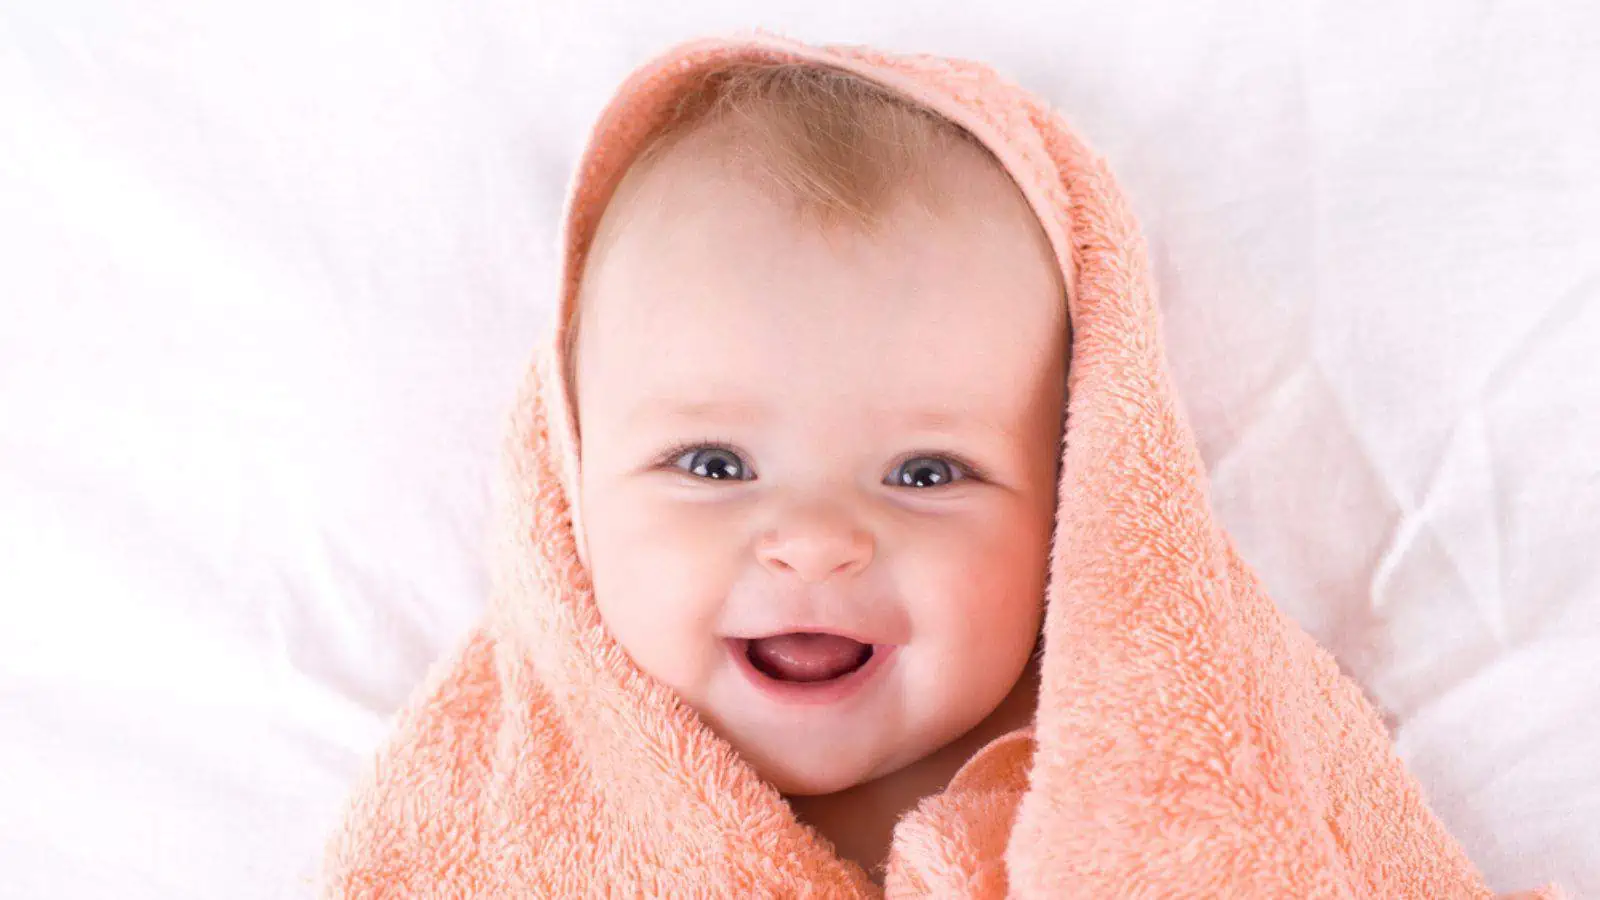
<point>807,657</point>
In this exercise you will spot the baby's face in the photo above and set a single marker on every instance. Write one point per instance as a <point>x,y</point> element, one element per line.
<point>782,432</point>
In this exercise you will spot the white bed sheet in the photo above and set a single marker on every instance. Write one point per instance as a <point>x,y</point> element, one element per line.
<point>271,272</point>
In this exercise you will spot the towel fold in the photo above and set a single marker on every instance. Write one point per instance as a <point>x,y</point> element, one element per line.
<point>1190,739</point>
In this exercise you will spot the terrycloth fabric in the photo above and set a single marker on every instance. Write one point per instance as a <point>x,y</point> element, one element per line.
<point>1190,740</point>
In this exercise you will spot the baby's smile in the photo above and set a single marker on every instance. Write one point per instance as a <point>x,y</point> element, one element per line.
<point>810,668</point>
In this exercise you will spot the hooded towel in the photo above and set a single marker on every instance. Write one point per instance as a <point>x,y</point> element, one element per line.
<point>1190,739</point>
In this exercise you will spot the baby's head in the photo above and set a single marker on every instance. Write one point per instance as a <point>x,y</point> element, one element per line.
<point>819,361</point>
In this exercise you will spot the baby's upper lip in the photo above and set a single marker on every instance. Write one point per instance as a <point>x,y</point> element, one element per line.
<point>859,636</point>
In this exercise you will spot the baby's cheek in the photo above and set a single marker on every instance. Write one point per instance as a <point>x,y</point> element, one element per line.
<point>661,594</point>
<point>984,597</point>
<point>647,624</point>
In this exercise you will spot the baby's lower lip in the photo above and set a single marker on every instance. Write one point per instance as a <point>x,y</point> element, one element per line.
<point>811,693</point>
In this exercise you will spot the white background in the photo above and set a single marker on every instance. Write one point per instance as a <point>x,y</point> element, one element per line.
<point>270,274</point>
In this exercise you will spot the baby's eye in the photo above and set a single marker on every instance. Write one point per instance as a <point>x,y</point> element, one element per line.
<point>722,464</point>
<point>716,463</point>
<point>926,471</point>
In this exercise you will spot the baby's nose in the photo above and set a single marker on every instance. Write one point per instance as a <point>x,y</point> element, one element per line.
<point>816,546</point>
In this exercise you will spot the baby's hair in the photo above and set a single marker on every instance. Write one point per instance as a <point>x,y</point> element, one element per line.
<point>842,148</point>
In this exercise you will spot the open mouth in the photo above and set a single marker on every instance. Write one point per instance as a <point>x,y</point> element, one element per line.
<point>807,657</point>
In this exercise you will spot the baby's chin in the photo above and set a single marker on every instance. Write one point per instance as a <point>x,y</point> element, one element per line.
<point>813,770</point>
<point>814,778</point>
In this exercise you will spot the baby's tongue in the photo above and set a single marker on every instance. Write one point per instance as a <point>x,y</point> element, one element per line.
<point>807,657</point>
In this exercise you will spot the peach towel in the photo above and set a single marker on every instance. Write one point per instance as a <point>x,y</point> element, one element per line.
<point>1191,740</point>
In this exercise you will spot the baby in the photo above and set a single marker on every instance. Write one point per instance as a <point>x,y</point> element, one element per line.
<point>819,360</point>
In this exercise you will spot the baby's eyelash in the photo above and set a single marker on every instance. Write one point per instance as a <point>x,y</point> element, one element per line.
<point>973,471</point>
<point>678,451</point>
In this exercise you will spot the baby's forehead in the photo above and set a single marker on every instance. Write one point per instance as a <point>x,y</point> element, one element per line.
<point>745,361</point>
<point>702,279</point>
<point>732,271</point>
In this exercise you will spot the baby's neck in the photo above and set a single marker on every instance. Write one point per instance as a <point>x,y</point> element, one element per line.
<point>860,820</point>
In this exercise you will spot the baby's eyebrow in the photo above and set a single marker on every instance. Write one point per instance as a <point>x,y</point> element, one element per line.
<point>661,408</point>
<point>673,408</point>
